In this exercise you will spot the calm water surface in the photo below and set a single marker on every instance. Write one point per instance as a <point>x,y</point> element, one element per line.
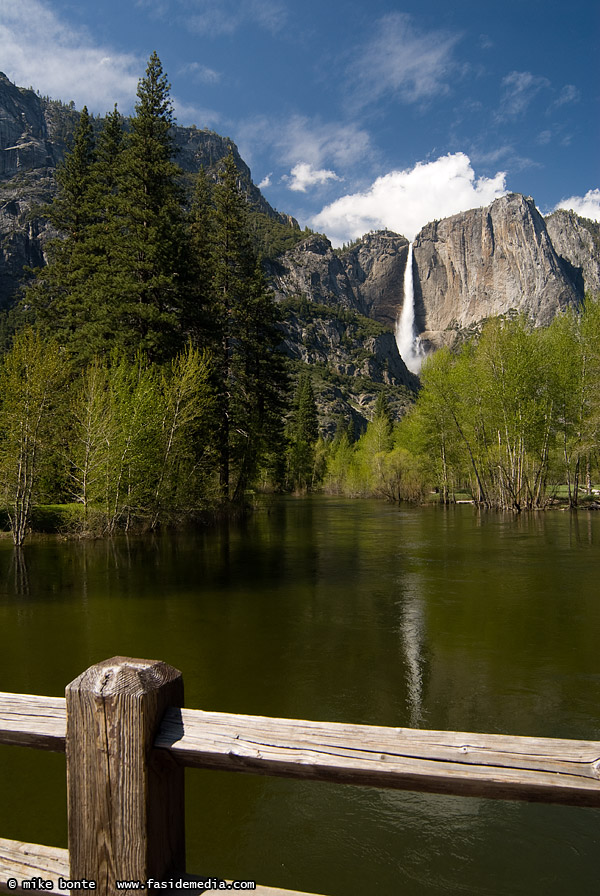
<point>345,611</point>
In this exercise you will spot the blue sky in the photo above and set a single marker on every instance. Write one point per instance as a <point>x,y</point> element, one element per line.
<point>352,116</point>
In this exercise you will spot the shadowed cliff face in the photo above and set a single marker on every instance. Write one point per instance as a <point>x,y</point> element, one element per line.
<point>367,278</point>
<point>25,143</point>
<point>577,242</point>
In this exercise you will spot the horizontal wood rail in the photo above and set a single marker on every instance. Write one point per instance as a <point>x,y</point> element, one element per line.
<point>122,722</point>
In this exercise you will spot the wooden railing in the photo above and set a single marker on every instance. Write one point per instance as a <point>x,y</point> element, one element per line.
<point>127,741</point>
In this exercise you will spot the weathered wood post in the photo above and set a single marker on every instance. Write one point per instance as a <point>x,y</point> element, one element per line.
<point>125,799</point>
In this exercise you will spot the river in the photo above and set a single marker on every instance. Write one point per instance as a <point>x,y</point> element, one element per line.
<point>330,609</point>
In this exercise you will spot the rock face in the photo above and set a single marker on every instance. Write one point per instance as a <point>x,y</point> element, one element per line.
<point>22,237</point>
<point>352,357</point>
<point>487,262</point>
<point>367,278</point>
<point>25,142</point>
<point>375,268</point>
<point>478,264</point>
<point>577,242</point>
<point>313,270</point>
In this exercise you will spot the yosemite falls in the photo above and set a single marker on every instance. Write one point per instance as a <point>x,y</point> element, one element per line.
<point>408,343</point>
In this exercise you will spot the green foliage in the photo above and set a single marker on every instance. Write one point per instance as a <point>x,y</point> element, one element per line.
<point>272,237</point>
<point>510,417</point>
<point>139,439</point>
<point>30,377</point>
<point>378,464</point>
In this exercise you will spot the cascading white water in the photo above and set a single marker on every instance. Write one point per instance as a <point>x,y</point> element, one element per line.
<point>408,343</point>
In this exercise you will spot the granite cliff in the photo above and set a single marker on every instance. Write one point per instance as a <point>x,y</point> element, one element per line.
<point>488,262</point>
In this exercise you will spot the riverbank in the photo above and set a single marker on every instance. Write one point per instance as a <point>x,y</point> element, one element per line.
<point>72,520</point>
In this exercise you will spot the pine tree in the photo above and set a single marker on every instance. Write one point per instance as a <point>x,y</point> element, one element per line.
<point>250,377</point>
<point>199,324</point>
<point>59,297</point>
<point>150,260</point>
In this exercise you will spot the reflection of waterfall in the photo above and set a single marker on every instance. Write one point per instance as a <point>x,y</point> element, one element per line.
<point>408,343</point>
<point>412,631</point>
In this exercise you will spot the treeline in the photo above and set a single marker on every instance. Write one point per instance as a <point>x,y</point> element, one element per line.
<point>511,420</point>
<point>143,379</point>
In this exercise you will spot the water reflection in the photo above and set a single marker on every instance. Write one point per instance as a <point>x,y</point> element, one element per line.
<point>412,632</point>
<point>18,578</point>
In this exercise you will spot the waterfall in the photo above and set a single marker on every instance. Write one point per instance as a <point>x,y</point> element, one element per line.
<point>407,341</point>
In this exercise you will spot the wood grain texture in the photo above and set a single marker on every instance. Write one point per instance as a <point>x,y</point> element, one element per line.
<point>23,861</point>
<point>125,800</point>
<point>486,765</point>
<point>30,721</point>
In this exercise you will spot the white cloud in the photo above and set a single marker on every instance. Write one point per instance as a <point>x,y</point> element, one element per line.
<point>569,94</point>
<point>334,145</point>
<point>587,206</point>
<point>41,51</point>
<point>415,65</point>
<point>200,73</point>
<point>216,17</point>
<point>520,89</point>
<point>265,182</point>
<point>404,201</point>
<point>187,114</point>
<point>303,176</point>
<point>319,143</point>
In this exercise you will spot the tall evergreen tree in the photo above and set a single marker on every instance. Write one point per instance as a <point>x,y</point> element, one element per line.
<point>59,297</point>
<point>250,376</point>
<point>199,322</point>
<point>151,284</point>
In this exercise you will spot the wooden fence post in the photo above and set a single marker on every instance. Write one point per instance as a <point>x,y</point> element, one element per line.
<point>125,798</point>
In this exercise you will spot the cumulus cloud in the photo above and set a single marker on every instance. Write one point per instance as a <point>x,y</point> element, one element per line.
<point>587,206</point>
<point>520,89</point>
<point>400,58</point>
<point>303,176</point>
<point>41,51</point>
<point>404,201</point>
<point>266,181</point>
